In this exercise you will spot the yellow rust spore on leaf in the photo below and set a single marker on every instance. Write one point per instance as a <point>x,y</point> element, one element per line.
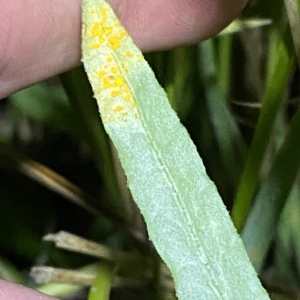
<point>114,69</point>
<point>114,42</point>
<point>118,107</point>
<point>109,43</point>
<point>128,53</point>
<point>95,45</point>
<point>116,93</point>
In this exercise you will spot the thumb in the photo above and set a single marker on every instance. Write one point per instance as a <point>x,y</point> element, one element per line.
<point>14,291</point>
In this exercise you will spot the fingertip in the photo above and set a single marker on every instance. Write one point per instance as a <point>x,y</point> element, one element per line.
<point>163,24</point>
<point>9,291</point>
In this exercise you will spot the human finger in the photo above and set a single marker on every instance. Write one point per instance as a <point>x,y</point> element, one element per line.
<point>39,39</point>
<point>9,291</point>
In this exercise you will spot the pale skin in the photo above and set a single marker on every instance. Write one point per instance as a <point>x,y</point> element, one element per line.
<point>39,39</point>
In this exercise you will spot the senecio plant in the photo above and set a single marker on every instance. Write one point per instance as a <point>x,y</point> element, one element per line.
<point>185,216</point>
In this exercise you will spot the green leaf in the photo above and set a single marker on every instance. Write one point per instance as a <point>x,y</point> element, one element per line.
<point>230,143</point>
<point>101,286</point>
<point>48,105</point>
<point>186,219</point>
<point>293,12</point>
<point>239,25</point>
<point>9,272</point>
<point>281,64</point>
<point>272,197</point>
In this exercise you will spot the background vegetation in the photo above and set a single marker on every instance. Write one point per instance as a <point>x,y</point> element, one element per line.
<point>237,94</point>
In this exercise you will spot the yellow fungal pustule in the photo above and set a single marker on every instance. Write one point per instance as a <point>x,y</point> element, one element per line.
<point>96,30</point>
<point>103,14</point>
<point>114,42</point>
<point>128,53</point>
<point>95,46</point>
<point>115,93</point>
<point>127,97</point>
<point>101,73</point>
<point>118,107</point>
<point>119,80</point>
<point>109,42</point>
<point>114,69</point>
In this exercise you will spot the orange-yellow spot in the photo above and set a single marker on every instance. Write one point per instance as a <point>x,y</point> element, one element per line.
<point>96,30</point>
<point>128,53</point>
<point>106,83</point>
<point>95,45</point>
<point>109,59</point>
<point>127,97</point>
<point>101,73</point>
<point>103,13</point>
<point>108,30</point>
<point>119,80</point>
<point>114,42</point>
<point>114,70</point>
<point>118,107</point>
<point>116,93</point>
<point>91,10</point>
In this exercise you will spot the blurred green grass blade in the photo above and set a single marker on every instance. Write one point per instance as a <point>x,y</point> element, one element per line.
<point>48,105</point>
<point>9,272</point>
<point>101,286</point>
<point>183,72</point>
<point>287,241</point>
<point>230,143</point>
<point>225,63</point>
<point>81,98</point>
<point>239,25</point>
<point>293,216</point>
<point>293,12</point>
<point>281,64</point>
<point>272,196</point>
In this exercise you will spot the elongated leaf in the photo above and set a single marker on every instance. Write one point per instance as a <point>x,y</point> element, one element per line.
<point>287,240</point>
<point>101,286</point>
<point>282,62</point>
<point>229,140</point>
<point>239,25</point>
<point>293,12</point>
<point>272,197</point>
<point>48,105</point>
<point>186,218</point>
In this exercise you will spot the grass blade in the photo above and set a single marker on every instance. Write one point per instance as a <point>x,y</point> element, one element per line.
<point>101,285</point>
<point>282,63</point>
<point>272,197</point>
<point>230,142</point>
<point>293,12</point>
<point>185,216</point>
